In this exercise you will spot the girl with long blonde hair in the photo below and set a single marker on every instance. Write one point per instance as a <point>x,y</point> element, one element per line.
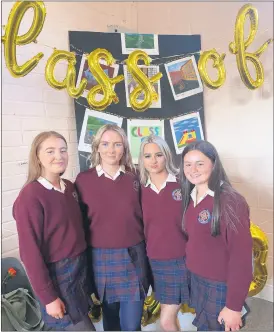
<point>109,193</point>
<point>162,215</point>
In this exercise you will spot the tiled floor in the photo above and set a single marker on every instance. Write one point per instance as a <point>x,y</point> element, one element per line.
<point>260,317</point>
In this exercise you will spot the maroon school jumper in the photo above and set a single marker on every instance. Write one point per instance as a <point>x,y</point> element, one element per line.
<point>166,242</point>
<point>162,214</point>
<point>113,209</point>
<point>116,236</point>
<point>50,229</point>
<point>227,257</point>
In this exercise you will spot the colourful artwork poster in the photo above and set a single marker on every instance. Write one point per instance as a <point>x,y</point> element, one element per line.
<point>186,129</point>
<point>184,78</point>
<point>137,130</point>
<point>84,72</point>
<point>145,42</point>
<point>130,85</point>
<point>94,120</point>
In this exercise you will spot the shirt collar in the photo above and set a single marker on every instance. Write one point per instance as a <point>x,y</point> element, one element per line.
<point>45,183</point>
<point>100,172</point>
<point>194,194</point>
<point>170,178</point>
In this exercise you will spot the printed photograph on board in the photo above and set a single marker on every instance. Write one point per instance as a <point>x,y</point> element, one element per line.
<point>145,42</point>
<point>186,129</point>
<point>137,130</point>
<point>93,120</point>
<point>84,72</point>
<point>184,78</point>
<point>130,84</point>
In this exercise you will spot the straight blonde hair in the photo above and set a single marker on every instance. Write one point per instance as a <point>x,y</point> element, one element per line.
<point>171,169</point>
<point>126,159</point>
<point>35,169</point>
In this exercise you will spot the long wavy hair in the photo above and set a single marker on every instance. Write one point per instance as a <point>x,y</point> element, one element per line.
<point>218,182</point>
<point>165,151</point>
<point>126,159</point>
<point>35,169</point>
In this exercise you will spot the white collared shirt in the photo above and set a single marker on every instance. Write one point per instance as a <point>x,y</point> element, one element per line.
<point>208,192</point>
<point>194,195</point>
<point>45,183</point>
<point>100,172</point>
<point>170,178</point>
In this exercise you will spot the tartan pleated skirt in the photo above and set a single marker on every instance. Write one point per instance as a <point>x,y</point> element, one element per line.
<point>121,274</point>
<point>170,279</point>
<point>208,298</point>
<point>69,277</point>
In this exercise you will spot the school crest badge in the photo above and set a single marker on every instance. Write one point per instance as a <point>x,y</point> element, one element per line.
<point>177,195</point>
<point>204,217</point>
<point>74,194</point>
<point>136,185</point>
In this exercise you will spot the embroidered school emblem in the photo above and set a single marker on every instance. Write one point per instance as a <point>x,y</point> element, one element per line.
<point>204,217</point>
<point>177,195</point>
<point>74,194</point>
<point>136,185</point>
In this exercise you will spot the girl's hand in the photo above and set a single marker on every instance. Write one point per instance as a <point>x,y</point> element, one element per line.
<point>231,319</point>
<point>56,308</point>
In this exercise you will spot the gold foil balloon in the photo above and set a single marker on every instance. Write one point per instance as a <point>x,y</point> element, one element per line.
<point>185,308</point>
<point>70,79</point>
<point>218,63</point>
<point>144,84</point>
<point>11,38</point>
<point>239,46</point>
<point>105,83</point>
<point>151,310</point>
<point>260,250</point>
<point>95,314</point>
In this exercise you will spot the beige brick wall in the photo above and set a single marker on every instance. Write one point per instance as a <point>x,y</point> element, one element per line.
<point>239,121</point>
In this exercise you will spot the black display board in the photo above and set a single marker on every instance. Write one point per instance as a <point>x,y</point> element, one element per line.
<point>169,45</point>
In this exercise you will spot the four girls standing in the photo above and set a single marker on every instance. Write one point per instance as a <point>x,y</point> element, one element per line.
<point>195,233</point>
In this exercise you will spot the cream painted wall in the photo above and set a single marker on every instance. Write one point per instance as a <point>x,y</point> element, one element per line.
<point>239,122</point>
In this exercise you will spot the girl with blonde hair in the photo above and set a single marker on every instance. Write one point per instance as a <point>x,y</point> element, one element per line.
<point>109,193</point>
<point>162,215</point>
<point>51,237</point>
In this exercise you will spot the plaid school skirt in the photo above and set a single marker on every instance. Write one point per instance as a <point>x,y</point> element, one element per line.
<point>208,298</point>
<point>121,274</point>
<point>69,277</point>
<point>170,281</point>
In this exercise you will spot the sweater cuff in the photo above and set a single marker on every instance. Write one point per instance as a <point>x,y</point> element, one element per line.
<point>47,295</point>
<point>234,302</point>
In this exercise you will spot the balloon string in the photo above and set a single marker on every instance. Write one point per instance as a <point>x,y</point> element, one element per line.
<point>140,118</point>
<point>123,62</point>
<point>80,52</point>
